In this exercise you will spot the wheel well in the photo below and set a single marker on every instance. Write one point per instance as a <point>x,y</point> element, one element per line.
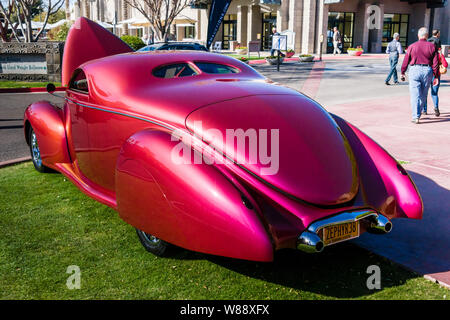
<point>27,132</point>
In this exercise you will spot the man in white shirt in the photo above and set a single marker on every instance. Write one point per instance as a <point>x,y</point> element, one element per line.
<point>337,39</point>
<point>394,49</point>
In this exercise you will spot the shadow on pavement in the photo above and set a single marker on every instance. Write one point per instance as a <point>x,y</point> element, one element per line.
<point>420,245</point>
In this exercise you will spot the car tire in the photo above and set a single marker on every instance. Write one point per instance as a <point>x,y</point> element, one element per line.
<point>153,244</point>
<point>36,153</point>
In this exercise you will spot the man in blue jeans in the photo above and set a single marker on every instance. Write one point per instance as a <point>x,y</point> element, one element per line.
<point>423,64</point>
<point>394,49</point>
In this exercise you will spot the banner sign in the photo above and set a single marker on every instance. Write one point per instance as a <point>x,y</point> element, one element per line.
<point>23,64</point>
<point>216,14</point>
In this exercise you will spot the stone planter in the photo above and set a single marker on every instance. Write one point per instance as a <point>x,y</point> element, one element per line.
<point>290,54</point>
<point>306,59</point>
<point>354,53</point>
<point>274,61</point>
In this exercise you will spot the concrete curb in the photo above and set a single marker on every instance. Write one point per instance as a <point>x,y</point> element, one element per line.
<point>14,161</point>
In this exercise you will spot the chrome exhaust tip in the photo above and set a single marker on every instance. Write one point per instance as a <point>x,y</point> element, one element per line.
<point>310,242</point>
<point>380,225</point>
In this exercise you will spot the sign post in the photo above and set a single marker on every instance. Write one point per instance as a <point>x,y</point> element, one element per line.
<point>321,46</point>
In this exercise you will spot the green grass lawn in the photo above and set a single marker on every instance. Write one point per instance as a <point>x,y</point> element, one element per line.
<point>25,84</point>
<point>47,224</point>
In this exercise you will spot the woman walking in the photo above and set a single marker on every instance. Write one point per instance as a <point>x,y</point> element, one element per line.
<point>443,65</point>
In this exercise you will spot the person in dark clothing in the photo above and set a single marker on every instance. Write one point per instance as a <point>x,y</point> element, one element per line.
<point>436,39</point>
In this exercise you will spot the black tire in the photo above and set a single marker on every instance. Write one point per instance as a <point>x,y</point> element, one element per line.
<point>154,245</point>
<point>35,153</point>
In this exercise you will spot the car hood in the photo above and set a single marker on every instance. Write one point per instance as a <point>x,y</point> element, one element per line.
<point>290,142</point>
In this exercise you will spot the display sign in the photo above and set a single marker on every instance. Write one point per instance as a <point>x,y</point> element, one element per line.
<point>23,64</point>
<point>279,42</point>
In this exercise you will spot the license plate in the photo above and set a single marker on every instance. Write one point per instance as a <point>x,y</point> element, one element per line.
<point>340,232</point>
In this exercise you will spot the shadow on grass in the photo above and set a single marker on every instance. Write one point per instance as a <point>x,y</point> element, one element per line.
<point>339,271</point>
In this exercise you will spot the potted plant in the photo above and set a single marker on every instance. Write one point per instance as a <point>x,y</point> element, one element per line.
<point>290,53</point>
<point>242,50</point>
<point>273,60</point>
<point>243,59</point>
<point>355,51</point>
<point>306,57</point>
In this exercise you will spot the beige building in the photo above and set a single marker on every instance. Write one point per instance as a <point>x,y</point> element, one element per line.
<point>365,23</point>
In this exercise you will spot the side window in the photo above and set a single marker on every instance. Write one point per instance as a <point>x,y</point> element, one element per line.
<point>215,68</point>
<point>174,71</point>
<point>79,82</point>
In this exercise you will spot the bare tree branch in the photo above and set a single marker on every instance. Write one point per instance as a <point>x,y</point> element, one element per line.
<point>159,13</point>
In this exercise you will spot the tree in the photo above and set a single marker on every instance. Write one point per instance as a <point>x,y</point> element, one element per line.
<point>25,10</point>
<point>159,13</point>
<point>5,18</point>
<point>58,15</point>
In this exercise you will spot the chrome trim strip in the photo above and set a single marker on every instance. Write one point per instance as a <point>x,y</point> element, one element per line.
<point>120,113</point>
<point>341,218</point>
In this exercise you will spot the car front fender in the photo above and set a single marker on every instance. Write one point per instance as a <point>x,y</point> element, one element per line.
<point>190,205</point>
<point>47,122</point>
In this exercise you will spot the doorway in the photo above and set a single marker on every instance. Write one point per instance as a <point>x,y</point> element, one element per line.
<point>344,21</point>
<point>229,30</point>
<point>395,23</point>
<point>269,20</point>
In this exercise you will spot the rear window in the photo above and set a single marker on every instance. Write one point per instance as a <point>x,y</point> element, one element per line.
<point>215,68</point>
<point>174,71</point>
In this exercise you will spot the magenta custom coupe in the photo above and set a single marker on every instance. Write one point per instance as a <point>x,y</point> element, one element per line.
<point>199,151</point>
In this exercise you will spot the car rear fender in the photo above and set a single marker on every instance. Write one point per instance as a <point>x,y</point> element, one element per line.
<point>193,206</point>
<point>382,177</point>
<point>47,122</point>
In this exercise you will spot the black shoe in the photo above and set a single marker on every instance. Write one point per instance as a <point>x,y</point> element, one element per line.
<point>396,82</point>
<point>436,112</point>
<point>387,83</point>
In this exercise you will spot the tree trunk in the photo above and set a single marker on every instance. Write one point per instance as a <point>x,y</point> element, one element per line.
<point>67,9</point>
<point>29,29</point>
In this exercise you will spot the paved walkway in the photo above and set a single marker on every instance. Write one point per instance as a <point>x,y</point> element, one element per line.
<point>355,90</point>
<point>12,107</point>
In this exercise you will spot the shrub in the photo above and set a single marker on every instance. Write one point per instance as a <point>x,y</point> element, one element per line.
<point>59,33</point>
<point>134,42</point>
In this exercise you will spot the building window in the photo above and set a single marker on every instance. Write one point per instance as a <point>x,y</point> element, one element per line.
<point>269,20</point>
<point>344,21</point>
<point>395,23</point>
<point>189,32</point>
<point>229,30</point>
